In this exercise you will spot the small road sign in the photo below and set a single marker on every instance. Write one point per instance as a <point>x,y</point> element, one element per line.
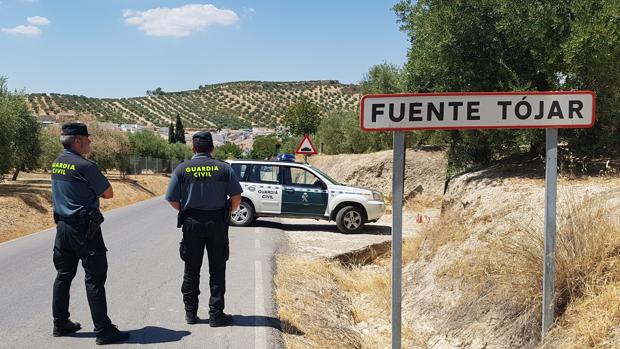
<point>306,147</point>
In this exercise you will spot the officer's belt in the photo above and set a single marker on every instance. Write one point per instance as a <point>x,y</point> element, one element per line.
<point>204,214</point>
<point>78,218</point>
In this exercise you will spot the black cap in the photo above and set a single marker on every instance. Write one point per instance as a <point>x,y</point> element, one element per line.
<point>202,138</point>
<point>74,129</point>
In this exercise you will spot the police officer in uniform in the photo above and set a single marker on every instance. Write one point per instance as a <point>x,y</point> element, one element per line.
<point>77,185</point>
<point>205,191</point>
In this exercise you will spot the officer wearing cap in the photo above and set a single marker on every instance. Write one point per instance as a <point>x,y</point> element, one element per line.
<point>77,185</point>
<point>205,191</point>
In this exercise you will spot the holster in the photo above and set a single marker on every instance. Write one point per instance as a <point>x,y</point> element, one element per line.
<point>95,218</point>
<point>180,219</point>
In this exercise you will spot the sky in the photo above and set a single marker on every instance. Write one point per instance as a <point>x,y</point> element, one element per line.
<point>121,48</point>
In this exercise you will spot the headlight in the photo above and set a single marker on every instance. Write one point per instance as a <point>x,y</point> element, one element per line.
<point>377,196</point>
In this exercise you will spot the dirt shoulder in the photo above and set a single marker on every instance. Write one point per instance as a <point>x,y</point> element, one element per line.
<point>26,204</point>
<point>312,239</point>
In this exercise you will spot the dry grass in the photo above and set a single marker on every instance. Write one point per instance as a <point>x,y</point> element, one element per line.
<point>448,230</point>
<point>26,204</point>
<point>505,276</point>
<point>314,312</point>
<point>590,322</point>
<point>422,202</point>
<point>373,285</point>
<point>323,304</point>
<point>353,288</point>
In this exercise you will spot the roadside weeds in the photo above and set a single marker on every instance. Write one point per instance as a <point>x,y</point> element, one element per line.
<point>498,298</point>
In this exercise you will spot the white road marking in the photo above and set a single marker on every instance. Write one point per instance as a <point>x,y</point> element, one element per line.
<point>256,243</point>
<point>259,308</point>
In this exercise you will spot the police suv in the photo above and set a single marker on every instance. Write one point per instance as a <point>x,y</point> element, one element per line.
<point>295,190</point>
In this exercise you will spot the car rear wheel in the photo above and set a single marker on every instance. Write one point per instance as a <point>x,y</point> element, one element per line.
<point>350,219</point>
<point>244,216</point>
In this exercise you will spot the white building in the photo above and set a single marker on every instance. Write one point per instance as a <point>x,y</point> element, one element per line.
<point>132,128</point>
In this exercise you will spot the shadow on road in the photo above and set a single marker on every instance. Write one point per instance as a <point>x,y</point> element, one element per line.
<point>154,334</point>
<point>264,321</point>
<point>372,229</point>
<point>145,335</point>
<point>260,321</point>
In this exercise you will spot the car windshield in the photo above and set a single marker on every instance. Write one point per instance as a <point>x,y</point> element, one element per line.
<point>326,176</point>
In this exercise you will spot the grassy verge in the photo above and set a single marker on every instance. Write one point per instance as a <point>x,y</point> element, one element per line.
<point>313,310</point>
<point>327,304</point>
<point>324,304</point>
<point>505,277</point>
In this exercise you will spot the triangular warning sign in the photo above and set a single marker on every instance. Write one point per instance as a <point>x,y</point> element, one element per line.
<point>306,147</point>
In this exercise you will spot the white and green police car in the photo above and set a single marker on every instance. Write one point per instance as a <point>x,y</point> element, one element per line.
<point>296,190</point>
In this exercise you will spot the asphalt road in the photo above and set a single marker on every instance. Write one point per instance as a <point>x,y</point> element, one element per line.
<point>143,287</point>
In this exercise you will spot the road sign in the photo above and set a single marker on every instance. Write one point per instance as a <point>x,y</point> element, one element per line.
<point>476,110</point>
<point>306,147</point>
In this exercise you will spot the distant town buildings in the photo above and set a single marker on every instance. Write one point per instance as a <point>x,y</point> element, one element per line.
<point>243,138</point>
<point>132,128</point>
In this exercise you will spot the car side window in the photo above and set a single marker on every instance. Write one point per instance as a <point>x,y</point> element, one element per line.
<point>240,170</point>
<point>265,174</point>
<point>302,177</point>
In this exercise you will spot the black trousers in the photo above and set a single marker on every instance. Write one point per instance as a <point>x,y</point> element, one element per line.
<point>204,230</point>
<point>70,247</point>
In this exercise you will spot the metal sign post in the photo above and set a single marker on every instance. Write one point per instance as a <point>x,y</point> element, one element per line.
<point>551,161</point>
<point>398,174</point>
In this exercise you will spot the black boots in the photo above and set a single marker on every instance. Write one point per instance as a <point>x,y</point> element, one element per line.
<point>220,320</point>
<point>191,318</point>
<point>107,336</point>
<point>66,328</point>
<point>111,335</point>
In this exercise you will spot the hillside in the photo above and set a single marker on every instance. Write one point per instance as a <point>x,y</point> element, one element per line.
<point>424,176</point>
<point>230,105</point>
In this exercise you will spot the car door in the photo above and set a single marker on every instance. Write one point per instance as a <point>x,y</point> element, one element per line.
<point>249,189</point>
<point>264,181</point>
<point>303,193</point>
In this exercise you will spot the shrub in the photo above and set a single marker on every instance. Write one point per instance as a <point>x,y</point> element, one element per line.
<point>110,148</point>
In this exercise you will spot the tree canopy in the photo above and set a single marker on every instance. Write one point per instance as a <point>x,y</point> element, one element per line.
<point>264,147</point>
<point>227,151</point>
<point>179,131</point>
<point>302,117</point>
<point>503,45</point>
<point>19,142</point>
<point>171,134</point>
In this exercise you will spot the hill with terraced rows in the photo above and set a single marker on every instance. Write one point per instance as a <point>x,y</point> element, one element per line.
<point>229,105</point>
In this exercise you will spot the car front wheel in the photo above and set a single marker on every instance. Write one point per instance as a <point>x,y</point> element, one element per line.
<point>244,216</point>
<point>350,219</point>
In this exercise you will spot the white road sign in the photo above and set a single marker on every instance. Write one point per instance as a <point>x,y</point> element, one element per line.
<point>475,110</point>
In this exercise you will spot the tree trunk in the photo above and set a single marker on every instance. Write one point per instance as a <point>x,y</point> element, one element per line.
<point>15,174</point>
